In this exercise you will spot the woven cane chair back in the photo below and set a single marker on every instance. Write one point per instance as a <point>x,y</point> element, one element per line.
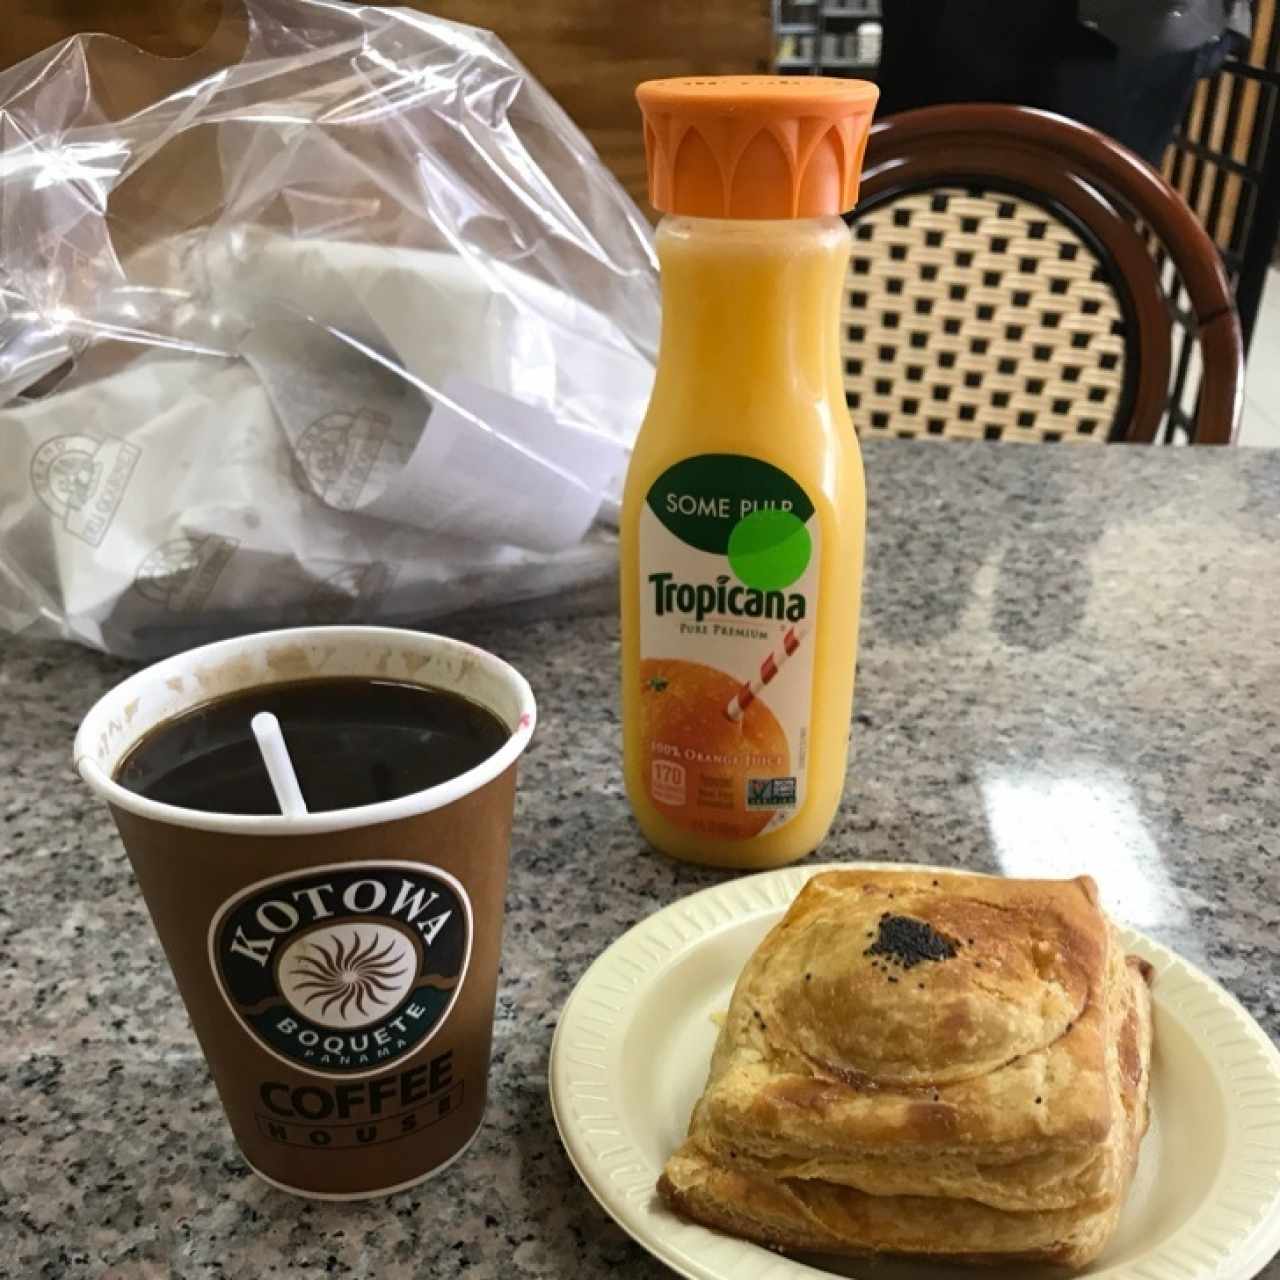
<point>992,319</point>
<point>1010,280</point>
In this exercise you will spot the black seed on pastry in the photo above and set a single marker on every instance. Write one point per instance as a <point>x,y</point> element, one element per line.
<point>935,884</point>
<point>808,977</point>
<point>907,942</point>
<point>892,978</point>
<point>1039,1101</point>
<point>920,985</point>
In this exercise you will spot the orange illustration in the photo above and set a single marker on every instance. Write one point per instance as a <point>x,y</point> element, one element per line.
<point>696,759</point>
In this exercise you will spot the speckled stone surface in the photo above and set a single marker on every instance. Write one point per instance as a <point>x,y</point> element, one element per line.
<point>1071,661</point>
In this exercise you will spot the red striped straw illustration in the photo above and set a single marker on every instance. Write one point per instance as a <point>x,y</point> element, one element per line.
<point>768,669</point>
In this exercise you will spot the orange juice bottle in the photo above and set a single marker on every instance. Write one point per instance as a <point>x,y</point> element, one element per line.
<point>744,513</point>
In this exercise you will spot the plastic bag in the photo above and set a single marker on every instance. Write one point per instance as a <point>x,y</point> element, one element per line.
<point>351,324</point>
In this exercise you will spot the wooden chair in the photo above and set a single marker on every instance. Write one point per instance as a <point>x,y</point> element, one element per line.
<point>1019,276</point>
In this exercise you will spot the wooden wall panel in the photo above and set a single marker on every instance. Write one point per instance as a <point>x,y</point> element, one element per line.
<point>172,28</point>
<point>591,54</point>
<point>588,53</point>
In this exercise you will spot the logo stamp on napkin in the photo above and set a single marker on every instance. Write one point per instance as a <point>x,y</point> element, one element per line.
<point>180,573</point>
<point>81,479</point>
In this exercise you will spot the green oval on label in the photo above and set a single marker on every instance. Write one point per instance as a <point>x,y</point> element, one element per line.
<point>702,499</point>
<point>769,549</point>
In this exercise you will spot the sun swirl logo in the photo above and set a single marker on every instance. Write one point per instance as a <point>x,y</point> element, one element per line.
<point>346,981</point>
<point>344,970</point>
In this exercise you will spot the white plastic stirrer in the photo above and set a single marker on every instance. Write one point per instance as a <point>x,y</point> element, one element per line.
<point>275,755</point>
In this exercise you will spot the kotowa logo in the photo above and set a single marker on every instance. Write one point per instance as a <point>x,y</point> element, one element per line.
<point>344,970</point>
<point>81,479</point>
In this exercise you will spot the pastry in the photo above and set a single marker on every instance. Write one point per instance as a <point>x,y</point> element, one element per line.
<point>931,1064</point>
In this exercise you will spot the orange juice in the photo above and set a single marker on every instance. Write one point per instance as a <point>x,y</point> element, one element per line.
<point>744,513</point>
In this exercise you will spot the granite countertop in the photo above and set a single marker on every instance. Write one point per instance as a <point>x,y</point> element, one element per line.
<point>1070,662</point>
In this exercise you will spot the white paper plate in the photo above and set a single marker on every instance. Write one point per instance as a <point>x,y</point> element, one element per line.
<point>630,1058</point>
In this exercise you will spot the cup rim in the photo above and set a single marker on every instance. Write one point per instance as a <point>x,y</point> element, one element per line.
<point>325,821</point>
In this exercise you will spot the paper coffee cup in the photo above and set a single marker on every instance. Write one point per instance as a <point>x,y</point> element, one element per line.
<point>331,1105</point>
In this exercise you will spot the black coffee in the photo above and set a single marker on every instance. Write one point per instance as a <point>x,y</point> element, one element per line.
<point>352,742</point>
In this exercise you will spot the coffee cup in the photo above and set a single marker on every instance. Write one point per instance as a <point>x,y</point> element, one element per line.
<point>339,967</point>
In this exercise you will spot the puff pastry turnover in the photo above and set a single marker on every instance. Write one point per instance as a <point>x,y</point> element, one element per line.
<point>944,1065</point>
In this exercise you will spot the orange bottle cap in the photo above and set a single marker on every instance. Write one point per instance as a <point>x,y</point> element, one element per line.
<point>755,146</point>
